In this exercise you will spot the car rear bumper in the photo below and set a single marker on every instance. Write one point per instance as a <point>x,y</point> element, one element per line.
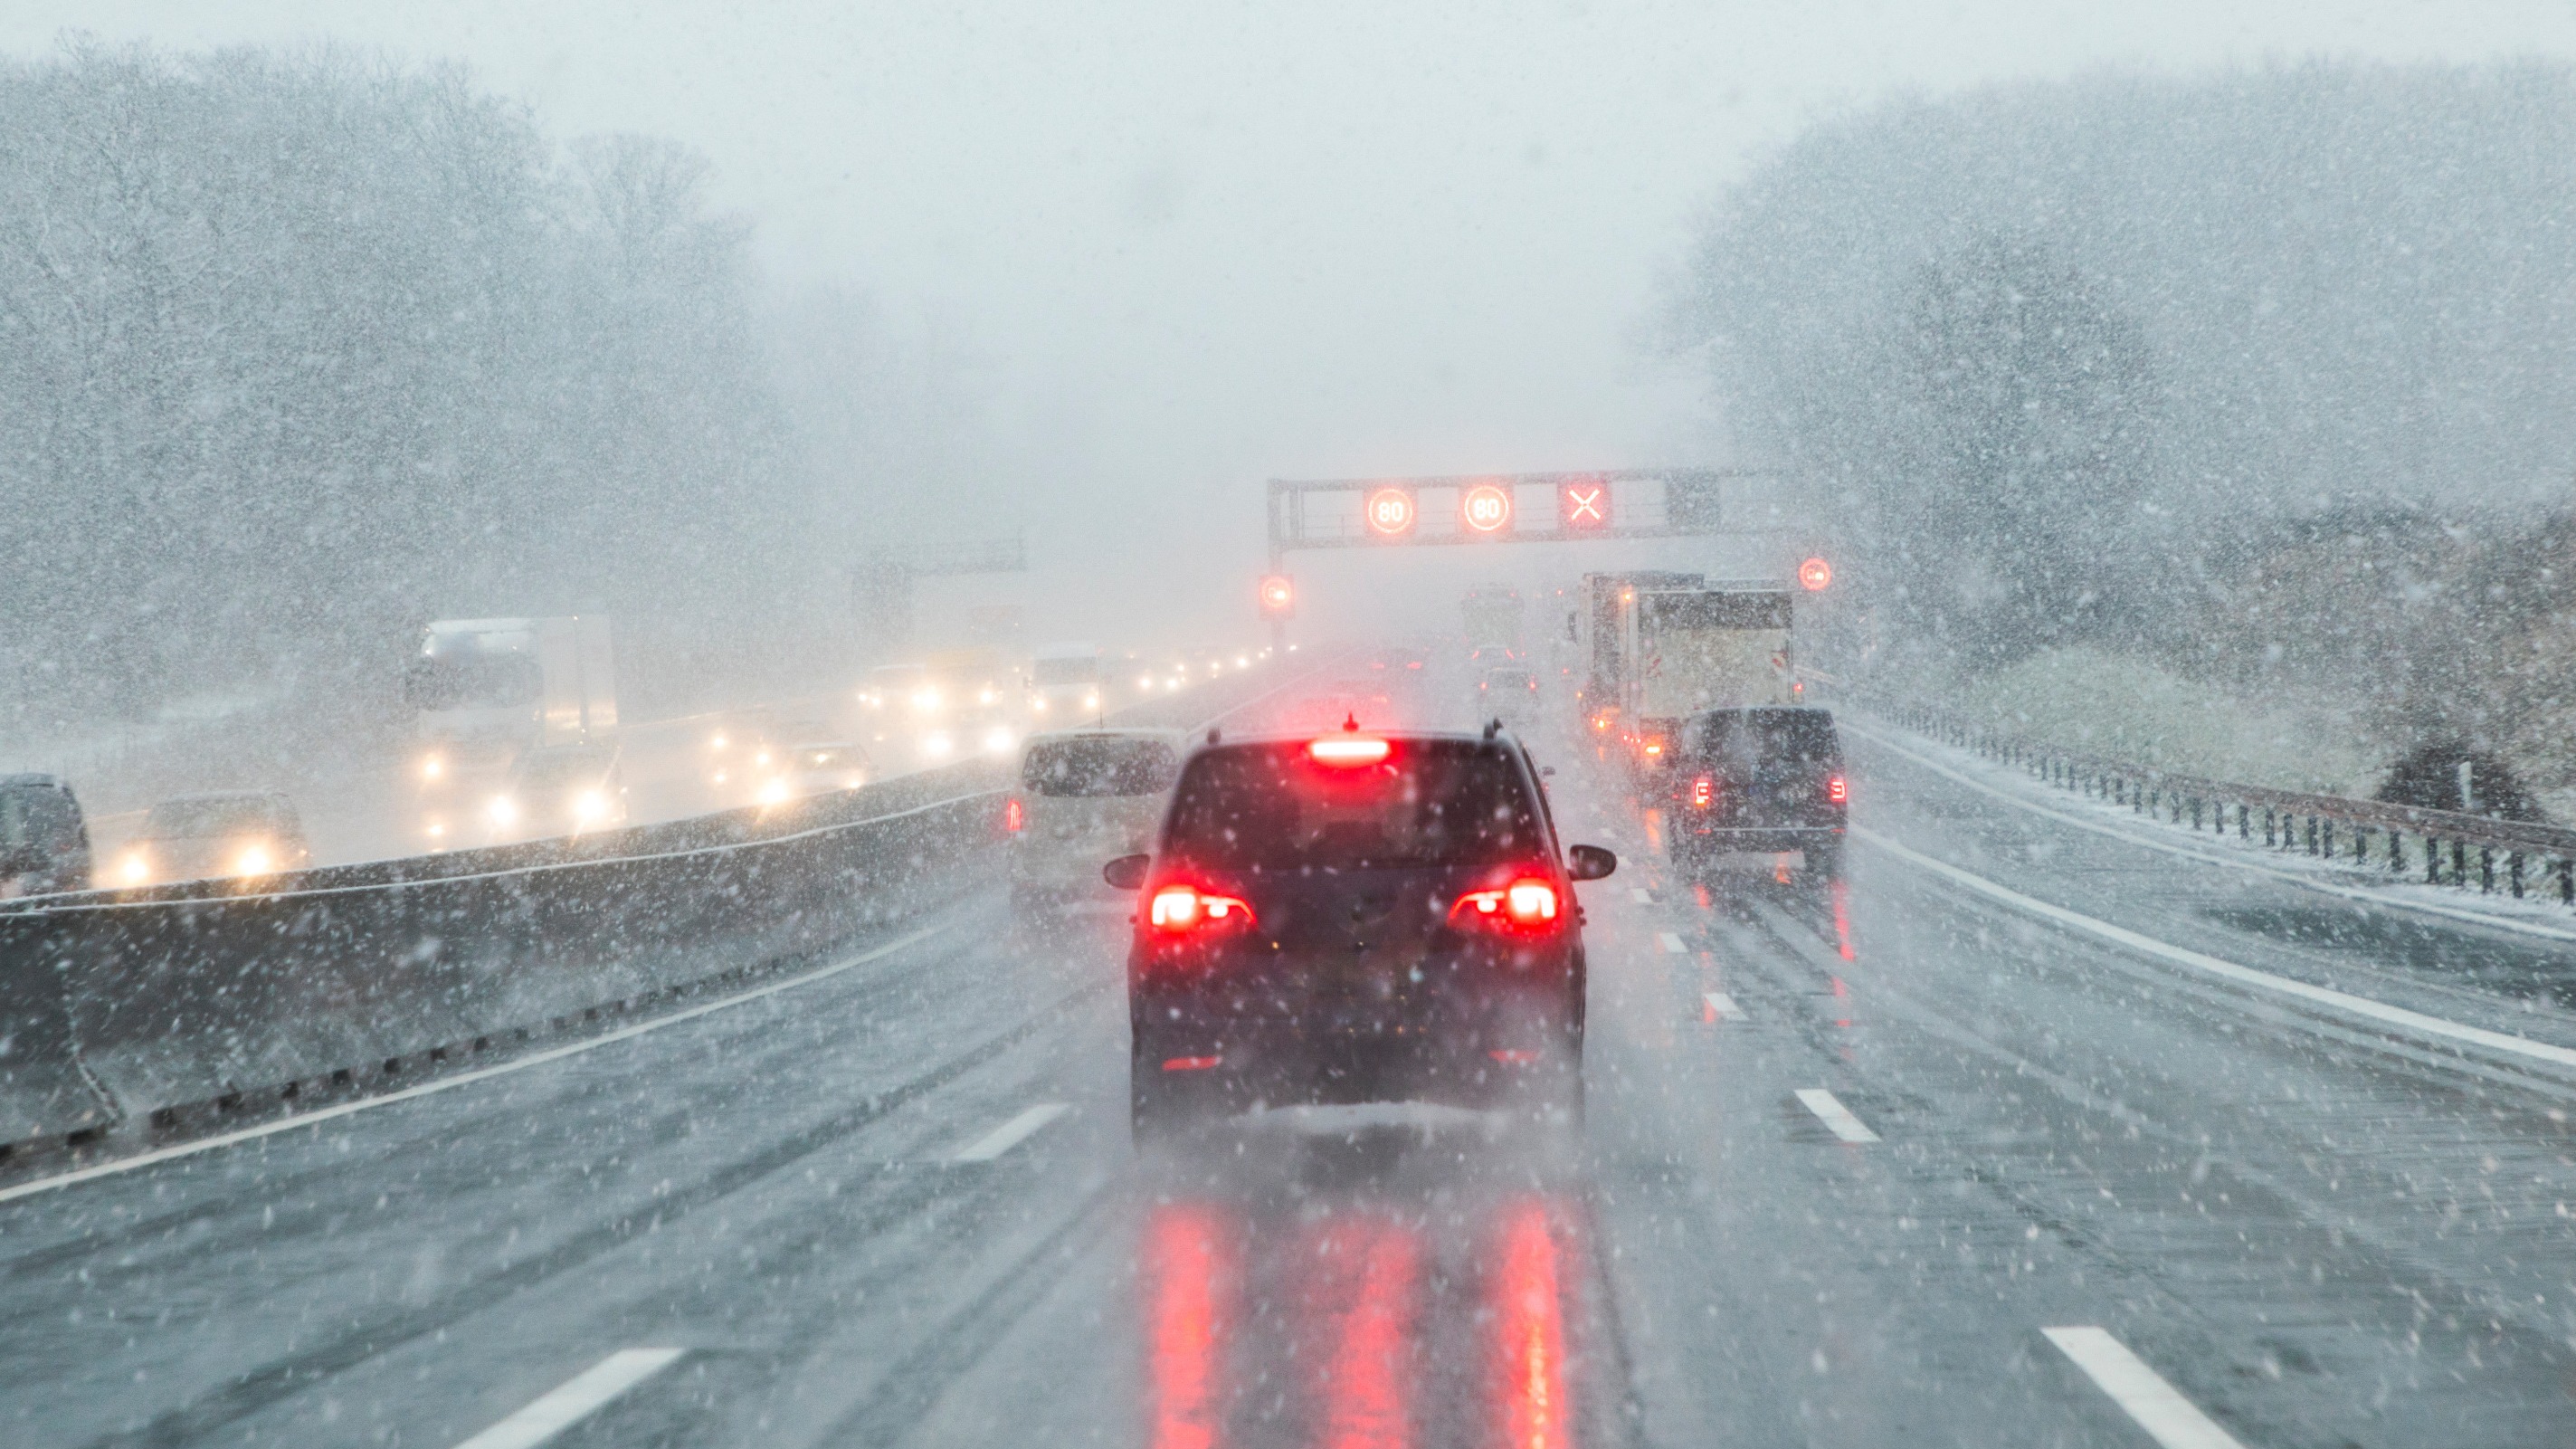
<point>1464,1054</point>
<point>1715,839</point>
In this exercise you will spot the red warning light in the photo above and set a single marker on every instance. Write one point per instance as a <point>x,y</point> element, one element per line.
<point>1486,508</point>
<point>1278,596</point>
<point>1388,512</point>
<point>1582,505</point>
<point>1815,574</point>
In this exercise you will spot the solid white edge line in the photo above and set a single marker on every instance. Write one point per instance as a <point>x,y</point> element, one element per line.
<point>2322,887</point>
<point>2362,1006</point>
<point>1837,1117</point>
<point>1012,1133</point>
<point>1672,942</point>
<point>1722,1005</point>
<point>576,1399</point>
<point>461,1079</point>
<point>2158,1407</point>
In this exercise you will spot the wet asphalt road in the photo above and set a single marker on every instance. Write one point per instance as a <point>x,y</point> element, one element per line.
<point>895,1204</point>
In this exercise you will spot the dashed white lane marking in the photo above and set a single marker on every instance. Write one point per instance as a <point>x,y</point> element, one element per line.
<point>579,1397</point>
<point>1672,942</point>
<point>1012,1133</point>
<point>1641,895</point>
<point>1835,1115</point>
<point>2362,1006</point>
<point>1721,1007</point>
<point>2172,1420</point>
<point>462,1079</point>
<point>2235,861</point>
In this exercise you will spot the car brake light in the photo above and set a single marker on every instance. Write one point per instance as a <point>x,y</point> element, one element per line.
<point>1347,749</point>
<point>1703,790</point>
<point>1014,814</point>
<point>1527,905</point>
<point>1180,910</point>
<point>1837,791</point>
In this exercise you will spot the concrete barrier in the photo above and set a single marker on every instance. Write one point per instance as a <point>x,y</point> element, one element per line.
<point>115,1006</point>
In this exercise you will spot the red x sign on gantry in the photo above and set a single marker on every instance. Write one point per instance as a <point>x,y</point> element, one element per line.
<point>1582,505</point>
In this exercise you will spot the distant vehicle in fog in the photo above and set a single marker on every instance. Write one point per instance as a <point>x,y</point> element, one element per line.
<point>485,692</point>
<point>224,833</point>
<point>1492,613</point>
<point>1085,796</point>
<point>1509,694</point>
<point>500,686</point>
<point>559,790</point>
<point>1762,781</point>
<point>1065,684</point>
<point>821,767</point>
<point>44,841</point>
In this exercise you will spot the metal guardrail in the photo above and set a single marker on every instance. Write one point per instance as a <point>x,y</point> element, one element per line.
<point>2449,847</point>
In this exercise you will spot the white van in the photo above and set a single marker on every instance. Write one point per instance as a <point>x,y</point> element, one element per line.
<point>1086,797</point>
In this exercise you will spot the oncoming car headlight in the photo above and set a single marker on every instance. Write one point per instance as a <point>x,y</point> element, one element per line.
<point>589,807</point>
<point>135,869</point>
<point>998,741</point>
<point>503,810</point>
<point>254,859</point>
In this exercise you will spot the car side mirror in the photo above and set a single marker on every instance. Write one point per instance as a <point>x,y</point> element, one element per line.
<point>1127,872</point>
<point>1589,862</point>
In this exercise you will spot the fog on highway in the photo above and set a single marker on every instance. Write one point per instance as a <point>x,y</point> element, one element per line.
<point>1603,726</point>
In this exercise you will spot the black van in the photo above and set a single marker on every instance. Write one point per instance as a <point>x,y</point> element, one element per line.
<point>1766,779</point>
<point>44,843</point>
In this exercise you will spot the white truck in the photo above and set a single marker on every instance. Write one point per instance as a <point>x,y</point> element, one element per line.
<point>487,692</point>
<point>1725,644</point>
<point>1065,685</point>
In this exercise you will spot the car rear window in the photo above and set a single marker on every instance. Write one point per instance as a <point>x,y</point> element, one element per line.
<point>1764,736</point>
<point>1099,767</point>
<point>1431,802</point>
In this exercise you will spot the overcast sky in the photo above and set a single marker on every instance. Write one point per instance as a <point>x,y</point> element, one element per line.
<point>1203,243</point>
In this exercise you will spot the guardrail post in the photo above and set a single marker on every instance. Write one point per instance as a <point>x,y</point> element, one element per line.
<point>2244,821</point>
<point>2396,852</point>
<point>2312,835</point>
<point>2460,864</point>
<point>2486,870</point>
<point>2267,826</point>
<point>2195,813</point>
<point>2432,860</point>
<point>2567,882</point>
<point>2513,865</point>
<point>2327,850</point>
<point>2361,845</point>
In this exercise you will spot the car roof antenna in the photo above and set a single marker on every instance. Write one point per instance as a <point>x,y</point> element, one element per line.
<point>1493,727</point>
<point>1351,722</point>
<point>1215,734</point>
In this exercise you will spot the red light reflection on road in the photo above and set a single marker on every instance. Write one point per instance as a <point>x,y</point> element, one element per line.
<point>1360,1291</point>
<point>1842,918</point>
<point>1535,1408</point>
<point>1188,1292</point>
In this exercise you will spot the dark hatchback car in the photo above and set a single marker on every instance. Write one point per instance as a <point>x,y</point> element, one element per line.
<point>1763,780</point>
<point>1356,918</point>
<point>44,842</point>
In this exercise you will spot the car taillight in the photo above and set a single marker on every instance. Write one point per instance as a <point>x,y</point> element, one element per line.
<point>1525,905</point>
<point>1703,790</point>
<point>1014,814</point>
<point>1837,791</point>
<point>1654,748</point>
<point>1179,910</point>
